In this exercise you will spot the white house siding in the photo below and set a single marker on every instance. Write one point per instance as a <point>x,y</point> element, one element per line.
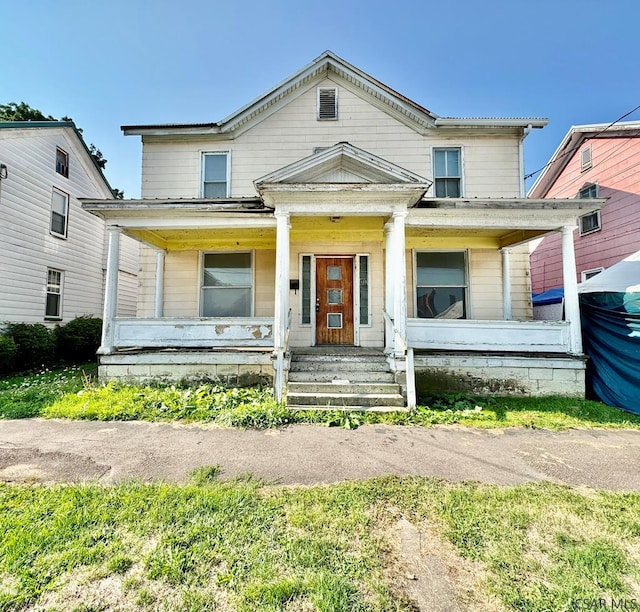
<point>521,305</point>
<point>171,167</point>
<point>25,211</point>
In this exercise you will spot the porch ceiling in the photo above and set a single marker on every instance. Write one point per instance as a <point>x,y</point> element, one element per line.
<point>207,238</point>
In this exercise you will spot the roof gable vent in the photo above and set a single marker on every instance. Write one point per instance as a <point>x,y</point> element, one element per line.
<point>327,103</point>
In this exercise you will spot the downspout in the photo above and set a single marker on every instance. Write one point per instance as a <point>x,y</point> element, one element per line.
<point>523,187</point>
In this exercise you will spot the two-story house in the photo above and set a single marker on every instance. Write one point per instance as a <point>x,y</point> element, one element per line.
<point>592,161</point>
<point>53,255</point>
<point>338,237</point>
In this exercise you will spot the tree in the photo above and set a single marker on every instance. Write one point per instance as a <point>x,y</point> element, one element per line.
<point>14,111</point>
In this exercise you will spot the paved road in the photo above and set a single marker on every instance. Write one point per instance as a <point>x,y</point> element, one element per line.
<point>60,451</point>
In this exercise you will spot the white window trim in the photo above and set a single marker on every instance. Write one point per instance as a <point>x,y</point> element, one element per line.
<point>467,288</point>
<point>589,186</point>
<point>584,275</point>
<point>66,222</point>
<point>204,153</point>
<point>586,166</point>
<point>311,288</point>
<point>357,271</point>
<point>57,317</point>
<point>435,148</point>
<point>56,162</point>
<point>595,229</point>
<point>201,288</point>
<point>335,89</point>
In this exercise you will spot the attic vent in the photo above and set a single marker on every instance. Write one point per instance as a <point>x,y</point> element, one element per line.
<point>327,103</point>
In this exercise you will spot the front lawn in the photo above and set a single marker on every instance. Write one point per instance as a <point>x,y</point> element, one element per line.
<point>73,394</point>
<point>241,545</point>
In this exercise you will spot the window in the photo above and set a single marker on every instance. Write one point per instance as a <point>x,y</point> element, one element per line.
<point>305,293</point>
<point>227,285</point>
<point>447,173</point>
<point>441,284</point>
<point>364,289</point>
<point>587,274</point>
<point>589,191</point>
<point>327,103</point>
<point>590,223</point>
<point>585,158</point>
<point>215,175</point>
<point>62,162</point>
<point>53,306</point>
<point>59,213</point>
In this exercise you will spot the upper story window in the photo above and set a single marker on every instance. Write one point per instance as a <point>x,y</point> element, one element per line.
<point>590,223</point>
<point>447,172</point>
<point>62,162</point>
<point>59,213</point>
<point>227,285</point>
<point>327,103</point>
<point>215,175</point>
<point>589,191</point>
<point>441,284</point>
<point>53,305</point>
<point>585,158</point>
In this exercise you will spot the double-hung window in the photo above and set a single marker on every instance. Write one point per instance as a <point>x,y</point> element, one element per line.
<point>215,175</point>
<point>447,172</point>
<point>53,305</point>
<point>59,213</point>
<point>441,284</point>
<point>62,162</point>
<point>227,285</point>
<point>590,222</point>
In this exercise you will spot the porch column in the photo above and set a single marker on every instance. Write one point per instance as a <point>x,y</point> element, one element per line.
<point>571,304</point>
<point>281,312</point>
<point>158,310</point>
<point>389,278</point>
<point>400,275</point>
<point>110,292</point>
<point>506,283</point>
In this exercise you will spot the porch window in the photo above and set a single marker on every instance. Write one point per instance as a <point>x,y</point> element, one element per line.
<point>227,285</point>
<point>447,172</point>
<point>215,175</point>
<point>364,289</point>
<point>441,284</point>
<point>305,292</point>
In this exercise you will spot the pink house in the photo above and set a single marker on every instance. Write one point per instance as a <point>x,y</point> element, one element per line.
<point>592,161</point>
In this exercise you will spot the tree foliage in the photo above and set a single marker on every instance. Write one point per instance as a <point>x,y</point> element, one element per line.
<point>21,111</point>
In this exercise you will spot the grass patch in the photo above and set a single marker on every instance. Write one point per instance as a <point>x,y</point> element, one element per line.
<point>72,394</point>
<point>244,546</point>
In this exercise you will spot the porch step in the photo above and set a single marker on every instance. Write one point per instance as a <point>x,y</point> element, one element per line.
<point>342,380</point>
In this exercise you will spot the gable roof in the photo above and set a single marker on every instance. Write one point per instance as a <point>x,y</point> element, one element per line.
<point>412,113</point>
<point>8,125</point>
<point>569,146</point>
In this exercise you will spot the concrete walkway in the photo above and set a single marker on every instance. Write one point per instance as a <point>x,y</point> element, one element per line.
<point>60,451</point>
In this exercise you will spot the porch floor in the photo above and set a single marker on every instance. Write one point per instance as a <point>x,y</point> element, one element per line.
<point>338,349</point>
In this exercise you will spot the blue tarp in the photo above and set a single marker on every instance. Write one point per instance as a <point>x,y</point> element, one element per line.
<point>550,296</point>
<point>612,341</point>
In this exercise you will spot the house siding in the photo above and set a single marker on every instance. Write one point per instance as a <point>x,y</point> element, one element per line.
<point>616,171</point>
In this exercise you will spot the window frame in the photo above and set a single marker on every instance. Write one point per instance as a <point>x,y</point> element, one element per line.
<point>466,287</point>
<point>586,165</point>
<point>335,104</point>
<point>202,287</point>
<point>203,155</point>
<point>60,294</point>
<point>587,274</point>
<point>64,167</point>
<point>592,230</point>
<point>585,194</point>
<point>66,215</point>
<point>460,178</point>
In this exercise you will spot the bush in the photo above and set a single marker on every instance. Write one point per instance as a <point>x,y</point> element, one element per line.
<point>79,339</point>
<point>35,345</point>
<point>7,355</point>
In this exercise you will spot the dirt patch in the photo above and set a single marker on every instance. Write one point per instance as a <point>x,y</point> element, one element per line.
<point>31,465</point>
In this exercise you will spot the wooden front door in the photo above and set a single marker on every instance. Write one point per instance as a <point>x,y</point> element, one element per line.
<point>334,300</point>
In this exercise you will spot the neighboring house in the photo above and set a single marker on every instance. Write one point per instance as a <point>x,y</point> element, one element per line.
<point>592,161</point>
<point>53,258</point>
<point>335,234</point>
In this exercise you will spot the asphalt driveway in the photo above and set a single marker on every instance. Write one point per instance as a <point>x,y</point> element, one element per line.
<point>36,450</point>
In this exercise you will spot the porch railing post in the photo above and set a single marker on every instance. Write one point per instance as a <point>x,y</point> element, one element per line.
<point>158,310</point>
<point>506,284</point>
<point>110,292</point>
<point>400,273</point>
<point>389,290</point>
<point>571,304</point>
<point>281,299</point>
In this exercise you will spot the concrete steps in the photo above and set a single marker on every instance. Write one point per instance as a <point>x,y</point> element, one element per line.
<point>344,381</point>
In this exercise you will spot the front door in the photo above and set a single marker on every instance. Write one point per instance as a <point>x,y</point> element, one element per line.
<point>334,300</point>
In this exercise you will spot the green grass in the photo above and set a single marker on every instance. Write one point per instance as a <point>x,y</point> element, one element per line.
<point>71,394</point>
<point>241,545</point>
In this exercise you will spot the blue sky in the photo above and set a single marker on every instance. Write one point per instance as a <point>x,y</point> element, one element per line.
<point>153,61</point>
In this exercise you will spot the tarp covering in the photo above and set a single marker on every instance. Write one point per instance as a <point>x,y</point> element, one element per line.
<point>550,296</point>
<point>623,277</point>
<point>612,342</point>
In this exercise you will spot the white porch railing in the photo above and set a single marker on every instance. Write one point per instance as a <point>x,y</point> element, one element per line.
<point>280,355</point>
<point>193,332</point>
<point>401,345</point>
<point>470,335</point>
